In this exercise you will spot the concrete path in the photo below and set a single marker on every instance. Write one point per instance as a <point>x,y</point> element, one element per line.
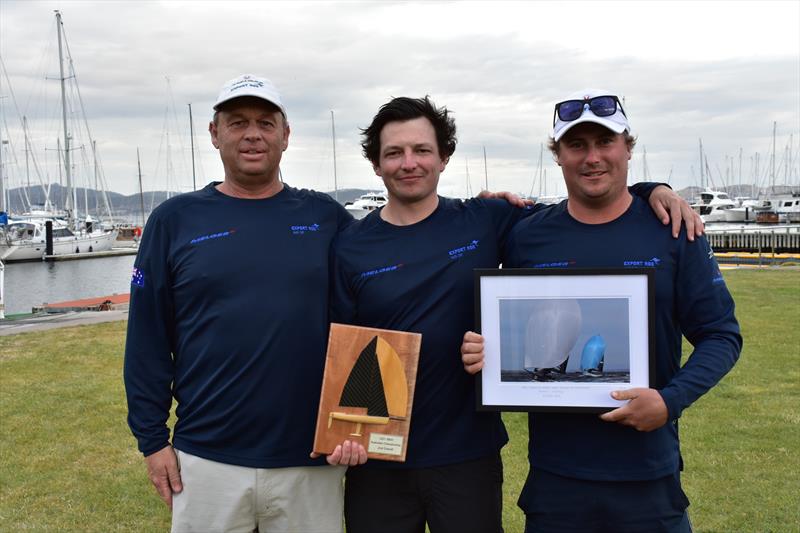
<point>59,320</point>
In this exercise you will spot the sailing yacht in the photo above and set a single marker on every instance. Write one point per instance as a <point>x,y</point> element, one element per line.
<point>24,238</point>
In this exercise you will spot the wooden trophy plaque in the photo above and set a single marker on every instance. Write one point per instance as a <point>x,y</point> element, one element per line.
<point>368,390</point>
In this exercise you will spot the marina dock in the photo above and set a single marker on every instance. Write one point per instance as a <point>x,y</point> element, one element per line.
<point>754,238</point>
<point>757,259</point>
<point>127,250</point>
<point>71,313</point>
<point>100,303</point>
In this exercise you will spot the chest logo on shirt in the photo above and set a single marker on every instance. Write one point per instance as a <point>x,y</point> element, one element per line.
<point>459,252</point>
<point>653,262</point>
<point>382,270</point>
<point>302,230</point>
<point>211,236</point>
<point>556,264</point>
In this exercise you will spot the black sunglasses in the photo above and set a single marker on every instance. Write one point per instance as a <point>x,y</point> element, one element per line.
<point>602,106</point>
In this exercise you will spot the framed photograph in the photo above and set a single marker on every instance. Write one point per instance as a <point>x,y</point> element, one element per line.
<point>563,339</point>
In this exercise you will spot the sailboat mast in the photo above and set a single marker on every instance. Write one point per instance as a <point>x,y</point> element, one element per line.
<point>96,179</point>
<point>86,191</point>
<point>141,193</point>
<point>335,177</point>
<point>60,177</point>
<point>702,185</point>
<point>27,165</point>
<point>538,172</point>
<point>740,171</point>
<point>644,164</point>
<point>27,153</point>
<point>756,176</point>
<point>191,141</point>
<point>485,171</point>
<point>788,160</point>
<point>170,173</point>
<point>772,170</point>
<point>2,196</point>
<point>469,187</point>
<point>67,173</point>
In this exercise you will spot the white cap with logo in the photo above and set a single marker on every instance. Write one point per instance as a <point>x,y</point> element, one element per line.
<point>616,121</point>
<point>249,85</point>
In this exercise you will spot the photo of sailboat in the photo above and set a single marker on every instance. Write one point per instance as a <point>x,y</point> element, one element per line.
<point>565,339</point>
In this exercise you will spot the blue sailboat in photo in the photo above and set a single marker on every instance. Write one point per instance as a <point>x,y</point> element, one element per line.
<point>593,356</point>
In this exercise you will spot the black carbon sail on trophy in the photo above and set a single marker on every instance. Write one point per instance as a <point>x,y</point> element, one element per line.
<point>377,382</point>
<point>368,390</point>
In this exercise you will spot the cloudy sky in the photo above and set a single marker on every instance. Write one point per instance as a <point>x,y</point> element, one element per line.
<point>723,72</point>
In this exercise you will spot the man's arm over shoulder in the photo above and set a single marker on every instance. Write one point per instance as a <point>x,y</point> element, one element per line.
<point>707,320</point>
<point>668,207</point>
<point>149,366</point>
<point>504,216</point>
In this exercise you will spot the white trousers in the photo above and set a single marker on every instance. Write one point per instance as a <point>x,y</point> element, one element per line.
<point>219,498</point>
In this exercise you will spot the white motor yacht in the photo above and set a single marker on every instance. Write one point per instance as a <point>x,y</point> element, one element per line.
<point>365,204</point>
<point>711,205</point>
<point>746,211</point>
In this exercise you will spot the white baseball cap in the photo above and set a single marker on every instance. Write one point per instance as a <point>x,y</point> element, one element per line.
<point>616,121</point>
<point>249,85</point>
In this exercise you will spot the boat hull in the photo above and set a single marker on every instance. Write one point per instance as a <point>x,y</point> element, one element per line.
<point>358,213</point>
<point>34,250</point>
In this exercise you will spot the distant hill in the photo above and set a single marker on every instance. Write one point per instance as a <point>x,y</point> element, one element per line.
<point>123,207</point>
<point>129,207</point>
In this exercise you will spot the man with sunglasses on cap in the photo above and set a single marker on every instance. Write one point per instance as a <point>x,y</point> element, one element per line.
<point>229,316</point>
<point>409,266</point>
<point>619,471</point>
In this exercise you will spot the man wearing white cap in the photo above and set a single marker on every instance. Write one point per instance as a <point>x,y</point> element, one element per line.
<point>619,471</point>
<point>229,317</point>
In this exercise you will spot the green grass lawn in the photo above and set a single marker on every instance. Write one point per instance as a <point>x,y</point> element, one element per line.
<point>69,463</point>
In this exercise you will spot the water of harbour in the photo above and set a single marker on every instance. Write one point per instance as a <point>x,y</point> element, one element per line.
<point>32,284</point>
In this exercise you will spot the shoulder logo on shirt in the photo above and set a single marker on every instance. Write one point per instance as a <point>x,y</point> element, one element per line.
<point>211,236</point>
<point>302,230</point>
<point>138,277</point>
<point>652,262</point>
<point>382,270</point>
<point>459,252</point>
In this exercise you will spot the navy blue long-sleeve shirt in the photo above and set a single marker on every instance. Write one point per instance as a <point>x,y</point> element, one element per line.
<point>690,299</point>
<point>229,314</point>
<point>419,278</point>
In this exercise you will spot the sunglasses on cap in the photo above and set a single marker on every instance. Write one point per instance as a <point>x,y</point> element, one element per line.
<point>601,106</point>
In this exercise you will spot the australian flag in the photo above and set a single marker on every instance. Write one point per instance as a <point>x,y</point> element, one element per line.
<point>138,277</point>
